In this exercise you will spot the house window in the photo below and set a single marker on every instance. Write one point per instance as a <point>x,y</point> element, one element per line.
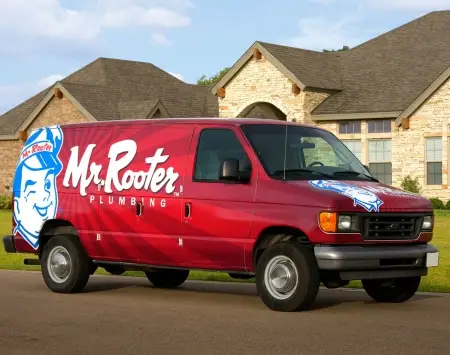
<point>434,161</point>
<point>383,126</point>
<point>380,164</point>
<point>354,146</point>
<point>350,127</point>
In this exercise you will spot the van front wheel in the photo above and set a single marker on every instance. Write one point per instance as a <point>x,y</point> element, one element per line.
<point>65,265</point>
<point>287,277</point>
<point>167,278</point>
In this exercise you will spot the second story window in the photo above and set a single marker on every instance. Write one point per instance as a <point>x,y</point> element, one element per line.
<point>379,126</point>
<point>350,127</point>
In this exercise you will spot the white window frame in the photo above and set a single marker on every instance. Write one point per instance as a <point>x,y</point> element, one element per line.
<point>434,157</point>
<point>384,160</point>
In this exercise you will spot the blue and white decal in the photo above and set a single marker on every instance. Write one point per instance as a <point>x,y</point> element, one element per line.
<point>35,190</point>
<point>362,197</point>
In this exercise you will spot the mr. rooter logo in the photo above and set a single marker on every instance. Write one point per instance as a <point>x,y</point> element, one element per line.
<point>81,173</point>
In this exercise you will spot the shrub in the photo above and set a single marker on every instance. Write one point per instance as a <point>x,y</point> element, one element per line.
<point>437,203</point>
<point>447,205</point>
<point>5,202</point>
<point>410,184</point>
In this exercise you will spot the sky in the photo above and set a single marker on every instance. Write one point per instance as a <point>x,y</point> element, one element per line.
<point>42,41</point>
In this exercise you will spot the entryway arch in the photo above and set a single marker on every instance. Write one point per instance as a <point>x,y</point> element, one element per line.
<point>262,109</point>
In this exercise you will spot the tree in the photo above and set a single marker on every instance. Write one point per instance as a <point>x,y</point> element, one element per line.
<point>205,81</point>
<point>344,48</point>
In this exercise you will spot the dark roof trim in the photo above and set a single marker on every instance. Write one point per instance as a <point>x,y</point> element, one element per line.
<point>40,106</point>
<point>355,116</point>
<point>423,97</point>
<point>245,58</point>
<point>159,106</point>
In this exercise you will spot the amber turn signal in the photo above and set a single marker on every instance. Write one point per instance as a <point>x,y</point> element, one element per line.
<point>328,221</point>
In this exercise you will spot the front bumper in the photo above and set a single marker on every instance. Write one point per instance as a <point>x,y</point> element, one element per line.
<point>8,244</point>
<point>358,262</point>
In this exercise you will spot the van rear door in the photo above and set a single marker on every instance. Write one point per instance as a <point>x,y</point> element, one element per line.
<point>140,206</point>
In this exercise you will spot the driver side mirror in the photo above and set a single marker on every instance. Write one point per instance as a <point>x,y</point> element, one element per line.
<point>230,171</point>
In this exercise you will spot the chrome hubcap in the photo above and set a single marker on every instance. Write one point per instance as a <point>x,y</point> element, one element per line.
<point>59,264</point>
<point>281,277</point>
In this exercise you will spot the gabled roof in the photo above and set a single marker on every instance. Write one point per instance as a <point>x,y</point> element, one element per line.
<point>304,67</point>
<point>113,89</point>
<point>382,77</point>
<point>389,72</point>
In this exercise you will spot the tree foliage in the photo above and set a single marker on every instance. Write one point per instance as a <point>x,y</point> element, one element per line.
<point>210,81</point>
<point>344,48</point>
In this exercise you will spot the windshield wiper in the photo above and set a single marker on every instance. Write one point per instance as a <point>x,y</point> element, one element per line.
<point>351,172</point>
<point>299,171</point>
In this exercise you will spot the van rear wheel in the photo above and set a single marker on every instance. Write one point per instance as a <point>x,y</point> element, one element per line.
<point>392,291</point>
<point>167,278</point>
<point>64,264</point>
<point>287,277</point>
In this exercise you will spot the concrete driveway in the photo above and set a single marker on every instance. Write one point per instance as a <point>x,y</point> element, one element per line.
<point>123,315</point>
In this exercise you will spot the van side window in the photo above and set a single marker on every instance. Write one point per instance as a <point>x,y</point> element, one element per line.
<point>214,146</point>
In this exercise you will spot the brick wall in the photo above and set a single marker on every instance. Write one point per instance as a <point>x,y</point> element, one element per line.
<point>57,111</point>
<point>432,119</point>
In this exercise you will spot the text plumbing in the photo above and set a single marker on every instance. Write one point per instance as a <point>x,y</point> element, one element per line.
<point>81,173</point>
<point>128,201</point>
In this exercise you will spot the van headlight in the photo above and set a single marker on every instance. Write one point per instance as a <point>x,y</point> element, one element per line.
<point>332,222</point>
<point>344,223</point>
<point>427,223</point>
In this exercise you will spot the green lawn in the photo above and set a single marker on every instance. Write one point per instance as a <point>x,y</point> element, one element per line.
<point>438,279</point>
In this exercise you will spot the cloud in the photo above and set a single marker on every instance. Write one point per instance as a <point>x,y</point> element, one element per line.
<point>176,75</point>
<point>318,33</point>
<point>27,24</point>
<point>11,95</point>
<point>49,80</point>
<point>161,39</point>
<point>408,5</point>
<point>139,16</point>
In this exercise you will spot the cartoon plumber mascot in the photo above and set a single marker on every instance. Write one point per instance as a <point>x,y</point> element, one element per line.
<point>35,190</point>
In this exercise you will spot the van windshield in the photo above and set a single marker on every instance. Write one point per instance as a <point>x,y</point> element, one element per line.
<point>299,153</point>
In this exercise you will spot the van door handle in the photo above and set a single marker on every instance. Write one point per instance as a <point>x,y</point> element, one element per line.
<point>139,209</point>
<point>187,209</point>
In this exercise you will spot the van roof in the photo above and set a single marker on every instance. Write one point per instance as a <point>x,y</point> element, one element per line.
<point>193,120</point>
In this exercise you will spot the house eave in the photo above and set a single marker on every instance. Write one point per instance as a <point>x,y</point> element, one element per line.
<point>245,58</point>
<point>10,137</point>
<point>354,116</point>
<point>435,85</point>
<point>41,105</point>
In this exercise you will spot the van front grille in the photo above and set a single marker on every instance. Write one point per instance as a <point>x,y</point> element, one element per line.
<point>391,227</point>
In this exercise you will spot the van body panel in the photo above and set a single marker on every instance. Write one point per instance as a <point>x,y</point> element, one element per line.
<point>219,225</point>
<point>141,221</point>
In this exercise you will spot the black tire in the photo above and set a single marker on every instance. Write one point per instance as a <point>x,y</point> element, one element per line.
<point>81,266</point>
<point>167,278</point>
<point>392,291</point>
<point>305,266</point>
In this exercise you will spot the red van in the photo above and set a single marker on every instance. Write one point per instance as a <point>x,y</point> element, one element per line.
<point>285,203</point>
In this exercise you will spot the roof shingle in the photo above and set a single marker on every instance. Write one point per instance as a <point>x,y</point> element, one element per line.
<point>389,72</point>
<point>113,89</point>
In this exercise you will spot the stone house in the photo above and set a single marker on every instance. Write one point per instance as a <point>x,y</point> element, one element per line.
<point>388,99</point>
<point>106,89</point>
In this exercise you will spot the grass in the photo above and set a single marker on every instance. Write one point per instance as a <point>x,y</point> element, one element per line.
<point>438,279</point>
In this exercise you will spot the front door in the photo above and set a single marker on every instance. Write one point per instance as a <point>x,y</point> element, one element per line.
<point>217,214</point>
